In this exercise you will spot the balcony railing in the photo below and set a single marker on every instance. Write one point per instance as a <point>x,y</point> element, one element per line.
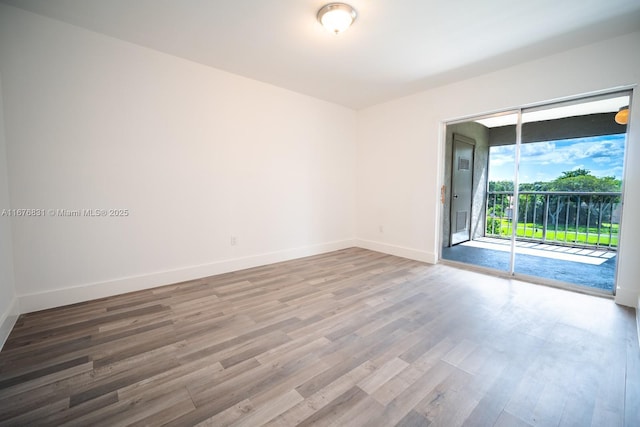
<point>585,220</point>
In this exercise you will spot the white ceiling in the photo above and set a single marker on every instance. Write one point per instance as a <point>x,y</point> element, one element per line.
<point>395,47</point>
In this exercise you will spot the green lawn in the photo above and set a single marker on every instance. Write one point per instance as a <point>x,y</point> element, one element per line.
<point>570,236</point>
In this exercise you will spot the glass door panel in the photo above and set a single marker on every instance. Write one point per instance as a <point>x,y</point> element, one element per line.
<point>570,171</point>
<point>477,196</point>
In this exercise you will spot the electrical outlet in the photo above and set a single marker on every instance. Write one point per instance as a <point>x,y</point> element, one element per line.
<point>381,229</point>
<point>234,240</point>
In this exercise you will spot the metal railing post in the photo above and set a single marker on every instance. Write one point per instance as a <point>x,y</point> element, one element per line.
<point>605,201</point>
<point>535,220</point>
<point>566,218</point>
<point>586,239</point>
<point>611,223</point>
<point>599,225</point>
<point>575,236</point>
<point>555,235</point>
<point>545,218</point>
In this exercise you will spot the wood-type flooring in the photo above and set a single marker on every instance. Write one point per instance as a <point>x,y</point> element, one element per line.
<point>347,338</point>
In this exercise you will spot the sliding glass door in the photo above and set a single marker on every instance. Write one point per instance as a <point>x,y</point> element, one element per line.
<point>544,192</point>
<point>490,190</point>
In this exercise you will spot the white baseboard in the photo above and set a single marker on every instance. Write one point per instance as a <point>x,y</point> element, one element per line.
<point>8,320</point>
<point>72,295</point>
<point>400,251</point>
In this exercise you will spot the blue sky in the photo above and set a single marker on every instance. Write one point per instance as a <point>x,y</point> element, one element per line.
<point>545,161</point>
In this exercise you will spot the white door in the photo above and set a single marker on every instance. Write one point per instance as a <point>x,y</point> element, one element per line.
<point>461,189</point>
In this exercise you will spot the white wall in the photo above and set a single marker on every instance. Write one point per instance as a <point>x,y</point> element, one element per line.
<point>8,301</point>
<point>196,155</point>
<point>400,147</point>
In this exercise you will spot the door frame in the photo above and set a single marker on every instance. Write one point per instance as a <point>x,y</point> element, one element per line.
<point>443,216</point>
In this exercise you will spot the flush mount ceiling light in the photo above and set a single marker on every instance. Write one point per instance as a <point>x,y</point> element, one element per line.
<point>336,17</point>
<point>622,116</point>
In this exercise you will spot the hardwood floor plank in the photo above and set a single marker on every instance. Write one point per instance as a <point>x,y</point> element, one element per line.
<point>141,343</point>
<point>351,337</point>
<point>238,341</point>
<point>382,375</point>
<point>116,382</point>
<point>255,348</point>
<point>500,387</point>
<point>298,371</point>
<point>177,378</point>
<point>78,411</point>
<point>508,420</point>
<point>140,411</point>
<point>413,419</point>
<point>550,406</point>
<point>407,377</point>
<point>363,413</point>
<point>163,416</point>
<point>632,386</point>
<point>574,413</point>
<point>291,350</point>
<point>346,365</point>
<point>25,385</point>
<point>450,402</point>
<point>126,412</point>
<point>226,417</point>
<point>203,384</point>
<point>323,397</point>
<point>460,352</point>
<point>397,408</point>
<point>334,409</point>
<point>46,332</point>
<point>270,409</point>
<point>228,393</point>
<point>31,417</point>
<point>29,376</point>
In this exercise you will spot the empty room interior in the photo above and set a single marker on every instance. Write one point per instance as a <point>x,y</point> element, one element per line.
<point>284,213</point>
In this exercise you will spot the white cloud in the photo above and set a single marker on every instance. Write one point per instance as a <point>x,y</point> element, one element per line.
<point>544,161</point>
<point>603,159</point>
<point>615,171</point>
<point>570,152</point>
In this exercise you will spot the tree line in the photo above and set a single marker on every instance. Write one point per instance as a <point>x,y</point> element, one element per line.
<point>585,210</point>
<point>578,180</point>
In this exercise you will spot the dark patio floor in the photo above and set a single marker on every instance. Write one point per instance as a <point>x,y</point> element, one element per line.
<point>572,268</point>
